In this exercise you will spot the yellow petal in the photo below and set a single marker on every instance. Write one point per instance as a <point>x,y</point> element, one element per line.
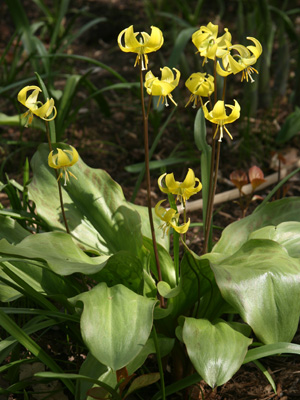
<point>219,111</point>
<point>171,184</point>
<point>235,114</point>
<point>23,93</point>
<point>257,49</point>
<point>160,185</point>
<point>156,40</point>
<point>182,228</point>
<point>189,180</point>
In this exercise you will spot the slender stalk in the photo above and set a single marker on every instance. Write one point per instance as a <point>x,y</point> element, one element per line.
<point>58,183</point>
<point>147,173</point>
<point>160,367</point>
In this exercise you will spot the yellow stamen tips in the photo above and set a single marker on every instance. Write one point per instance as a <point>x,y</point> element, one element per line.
<point>146,44</point>
<point>183,190</point>
<point>170,219</point>
<point>164,86</point>
<point>219,117</point>
<point>62,160</point>
<point>36,107</point>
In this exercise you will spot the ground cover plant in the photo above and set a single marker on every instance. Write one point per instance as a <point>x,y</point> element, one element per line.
<point>147,300</point>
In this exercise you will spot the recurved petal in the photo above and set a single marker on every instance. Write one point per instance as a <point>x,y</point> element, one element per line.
<point>257,49</point>
<point>235,66</point>
<point>242,50</point>
<point>160,184</point>
<point>155,41</point>
<point>222,71</point>
<point>171,184</point>
<point>235,113</point>
<point>182,228</point>
<point>130,41</point>
<point>189,180</point>
<point>23,93</point>
<point>42,111</point>
<point>74,155</point>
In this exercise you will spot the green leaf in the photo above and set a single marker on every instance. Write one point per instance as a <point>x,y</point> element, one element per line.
<point>58,249</point>
<point>11,230</point>
<point>217,350</point>
<point>287,234</point>
<point>290,128</point>
<point>237,233</point>
<point>115,323</point>
<point>272,350</point>
<point>142,381</point>
<point>262,282</point>
<point>98,215</point>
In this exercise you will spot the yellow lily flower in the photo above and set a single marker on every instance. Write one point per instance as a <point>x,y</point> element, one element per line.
<point>63,159</point>
<point>201,85</point>
<point>34,106</point>
<point>146,43</point>
<point>164,86</point>
<point>241,61</point>
<point>207,42</point>
<point>218,116</point>
<point>183,190</point>
<point>170,218</point>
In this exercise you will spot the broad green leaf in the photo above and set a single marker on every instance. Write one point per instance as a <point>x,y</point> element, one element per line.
<point>165,260</point>
<point>58,249</point>
<point>11,230</point>
<point>94,369</point>
<point>217,350</point>
<point>181,41</point>
<point>98,215</point>
<point>262,282</point>
<point>123,268</point>
<point>287,234</point>
<point>236,234</point>
<point>17,120</point>
<point>115,323</point>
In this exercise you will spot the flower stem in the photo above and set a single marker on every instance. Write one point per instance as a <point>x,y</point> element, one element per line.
<point>58,182</point>
<point>147,170</point>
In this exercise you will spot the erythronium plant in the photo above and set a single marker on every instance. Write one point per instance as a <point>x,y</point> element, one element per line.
<point>111,281</point>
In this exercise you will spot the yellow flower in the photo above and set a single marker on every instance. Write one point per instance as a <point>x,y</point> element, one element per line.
<point>170,218</point>
<point>240,61</point>
<point>146,43</point>
<point>218,116</point>
<point>207,42</point>
<point>34,106</point>
<point>183,190</point>
<point>164,86</point>
<point>63,159</point>
<point>200,85</point>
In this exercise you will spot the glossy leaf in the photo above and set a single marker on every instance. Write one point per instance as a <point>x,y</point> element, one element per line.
<point>236,234</point>
<point>115,323</point>
<point>262,282</point>
<point>217,350</point>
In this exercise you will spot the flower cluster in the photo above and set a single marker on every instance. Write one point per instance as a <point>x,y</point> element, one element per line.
<point>183,191</point>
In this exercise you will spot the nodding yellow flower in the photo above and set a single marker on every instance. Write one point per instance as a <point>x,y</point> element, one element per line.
<point>34,106</point>
<point>170,218</point>
<point>63,159</point>
<point>141,45</point>
<point>183,190</point>
<point>201,85</point>
<point>218,116</point>
<point>208,43</point>
<point>240,61</point>
<point>164,86</point>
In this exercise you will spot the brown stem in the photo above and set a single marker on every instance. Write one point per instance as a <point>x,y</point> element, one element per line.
<point>58,183</point>
<point>147,171</point>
